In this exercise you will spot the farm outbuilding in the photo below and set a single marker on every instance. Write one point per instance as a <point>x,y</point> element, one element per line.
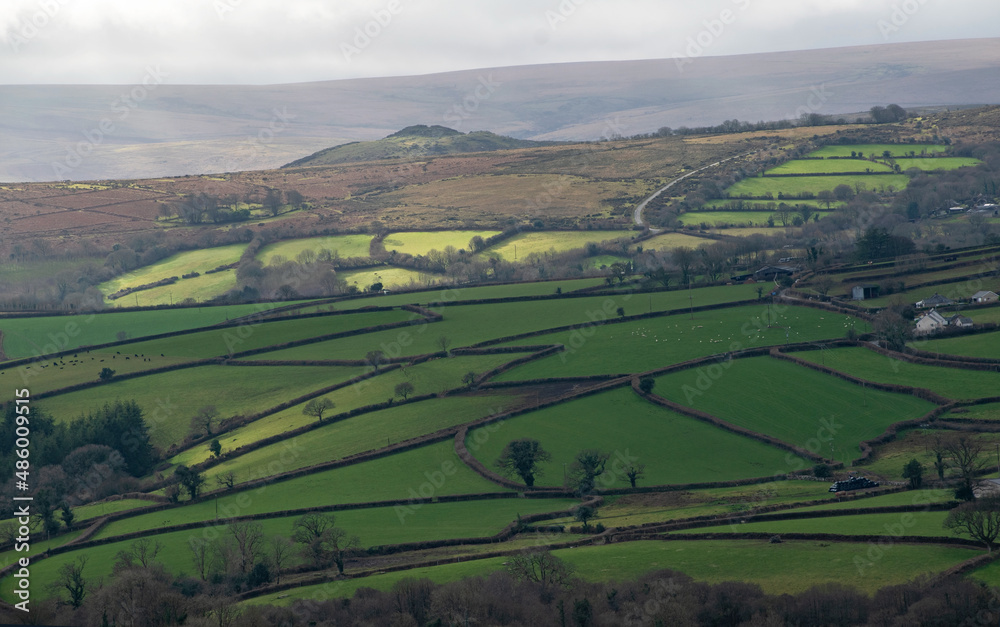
<point>864,292</point>
<point>984,296</point>
<point>769,273</point>
<point>934,301</point>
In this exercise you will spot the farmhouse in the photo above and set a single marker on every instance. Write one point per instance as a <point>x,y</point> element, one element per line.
<point>862,292</point>
<point>960,321</point>
<point>931,322</point>
<point>984,296</point>
<point>934,301</point>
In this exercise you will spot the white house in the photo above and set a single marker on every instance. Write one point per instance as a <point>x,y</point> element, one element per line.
<point>985,296</point>
<point>931,322</point>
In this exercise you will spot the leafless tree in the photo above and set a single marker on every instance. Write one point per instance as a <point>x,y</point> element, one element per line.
<point>249,537</point>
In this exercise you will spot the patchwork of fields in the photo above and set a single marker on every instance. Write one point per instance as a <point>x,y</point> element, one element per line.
<point>422,406</point>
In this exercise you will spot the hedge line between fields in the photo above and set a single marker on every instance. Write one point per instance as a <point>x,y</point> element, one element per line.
<point>611,319</point>
<point>792,515</point>
<point>921,393</point>
<point>828,537</point>
<point>914,358</point>
<point>334,336</point>
<point>236,322</point>
<point>925,270</point>
<point>728,426</point>
<point>236,422</point>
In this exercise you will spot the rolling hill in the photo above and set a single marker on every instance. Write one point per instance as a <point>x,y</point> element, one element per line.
<point>195,129</point>
<point>413,141</point>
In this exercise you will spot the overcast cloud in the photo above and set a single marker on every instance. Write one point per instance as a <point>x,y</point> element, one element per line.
<point>267,42</point>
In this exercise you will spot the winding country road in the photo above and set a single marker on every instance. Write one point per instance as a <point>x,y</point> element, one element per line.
<point>637,214</point>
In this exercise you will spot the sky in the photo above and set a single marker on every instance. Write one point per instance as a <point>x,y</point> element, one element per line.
<point>288,41</point>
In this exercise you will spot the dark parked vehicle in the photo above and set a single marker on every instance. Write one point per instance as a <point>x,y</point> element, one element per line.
<point>854,483</point>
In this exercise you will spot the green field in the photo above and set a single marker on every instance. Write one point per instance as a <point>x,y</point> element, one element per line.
<point>917,444</point>
<point>829,166</point>
<point>888,525</point>
<point>176,265</point>
<point>907,497</point>
<point>362,433</point>
<point>768,206</point>
<point>199,289</point>
<point>937,163</point>
<point>17,271</point>
<point>799,184</point>
<point>342,246</point>
<point>27,337</point>
<point>63,372</point>
<point>727,218</point>
<point>865,364</point>
<point>430,377</point>
<point>374,526</point>
<point>388,478</point>
<point>666,241</point>
<point>789,567</point>
<point>639,509</point>
<point>895,150</point>
<point>632,430</point>
<point>980,345</point>
<point>421,243</point>
<point>256,334</point>
<point>520,246</point>
<point>642,345</point>
<point>820,413</point>
<point>390,278</point>
<point>464,324</point>
<point>460,293</point>
<point>170,399</point>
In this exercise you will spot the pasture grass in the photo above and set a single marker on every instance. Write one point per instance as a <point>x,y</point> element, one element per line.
<point>374,527</point>
<point>176,265</point>
<point>829,166</point>
<point>820,413</point>
<point>342,246</point>
<point>460,293</point>
<point>470,324</point>
<point>979,345</point>
<point>256,334</point>
<point>631,430</point>
<point>917,444</point>
<point>430,377</point>
<point>398,476</point>
<point>919,523</point>
<point>666,241</point>
<point>62,372</point>
<point>170,399</point>
<point>642,345</point>
<point>952,383</point>
<point>908,497</point>
<point>521,246</point>
<point>366,432</point>
<point>197,289</point>
<point>390,277</point>
<point>422,242</point>
<point>28,337</point>
<point>937,163</point>
<point>639,509</point>
<point>790,567</point>
<point>760,186</point>
<point>733,218</point>
<point>895,150</point>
